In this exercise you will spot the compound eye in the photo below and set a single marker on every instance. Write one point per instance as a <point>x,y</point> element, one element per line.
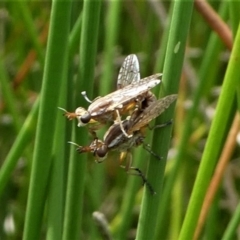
<point>81,112</point>
<point>102,151</point>
<point>85,118</point>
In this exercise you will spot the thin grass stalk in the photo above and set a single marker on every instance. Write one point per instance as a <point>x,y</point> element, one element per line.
<point>163,44</point>
<point>181,16</point>
<point>88,48</point>
<point>107,83</point>
<point>121,223</point>
<point>26,133</point>
<point>56,190</point>
<point>214,141</point>
<point>214,20</point>
<point>111,36</point>
<point>97,182</point>
<point>77,167</point>
<point>28,129</point>
<point>150,33</point>
<point>176,207</point>
<point>95,191</point>
<point>238,99</point>
<point>73,47</point>
<point>211,230</point>
<point>30,28</point>
<point>212,52</point>
<point>234,9</point>
<point>232,226</point>
<point>227,152</point>
<point>74,37</point>
<point>8,96</point>
<point>54,65</point>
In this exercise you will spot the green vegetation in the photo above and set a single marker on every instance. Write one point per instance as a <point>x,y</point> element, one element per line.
<point>51,52</point>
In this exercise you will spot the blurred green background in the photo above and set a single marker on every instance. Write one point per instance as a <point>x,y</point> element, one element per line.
<point>81,46</point>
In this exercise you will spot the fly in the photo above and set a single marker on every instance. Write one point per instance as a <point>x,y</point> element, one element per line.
<point>132,92</point>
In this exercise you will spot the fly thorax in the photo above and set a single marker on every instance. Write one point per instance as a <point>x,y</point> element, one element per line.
<point>147,99</point>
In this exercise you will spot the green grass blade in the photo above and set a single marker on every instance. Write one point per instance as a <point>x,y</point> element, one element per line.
<point>234,8</point>
<point>100,38</point>
<point>30,28</point>
<point>55,208</point>
<point>28,128</point>
<point>77,167</point>
<point>23,138</point>
<point>9,96</point>
<point>233,225</point>
<point>214,141</point>
<point>162,47</point>
<point>74,37</point>
<point>123,220</point>
<point>112,32</point>
<point>55,60</point>
<point>212,52</point>
<point>181,16</point>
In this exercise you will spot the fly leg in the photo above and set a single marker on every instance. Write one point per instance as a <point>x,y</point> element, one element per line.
<point>93,127</point>
<point>148,148</point>
<point>93,134</point>
<point>121,126</point>
<point>161,125</point>
<point>134,171</point>
<point>144,179</point>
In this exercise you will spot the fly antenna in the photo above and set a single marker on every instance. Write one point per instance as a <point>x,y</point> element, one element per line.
<point>63,109</point>
<point>84,94</point>
<point>73,143</point>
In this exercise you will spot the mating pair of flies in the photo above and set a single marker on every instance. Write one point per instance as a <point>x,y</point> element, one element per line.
<point>133,99</point>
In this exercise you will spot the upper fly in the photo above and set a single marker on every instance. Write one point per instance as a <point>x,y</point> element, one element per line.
<point>130,94</point>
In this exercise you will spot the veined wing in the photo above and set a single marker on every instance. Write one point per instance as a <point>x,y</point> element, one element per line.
<point>129,71</point>
<point>117,99</point>
<point>151,112</point>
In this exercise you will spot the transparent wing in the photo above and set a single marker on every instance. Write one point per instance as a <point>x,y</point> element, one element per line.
<point>129,72</point>
<point>151,112</point>
<point>121,97</point>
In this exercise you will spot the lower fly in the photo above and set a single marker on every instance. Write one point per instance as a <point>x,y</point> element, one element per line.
<point>127,156</point>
